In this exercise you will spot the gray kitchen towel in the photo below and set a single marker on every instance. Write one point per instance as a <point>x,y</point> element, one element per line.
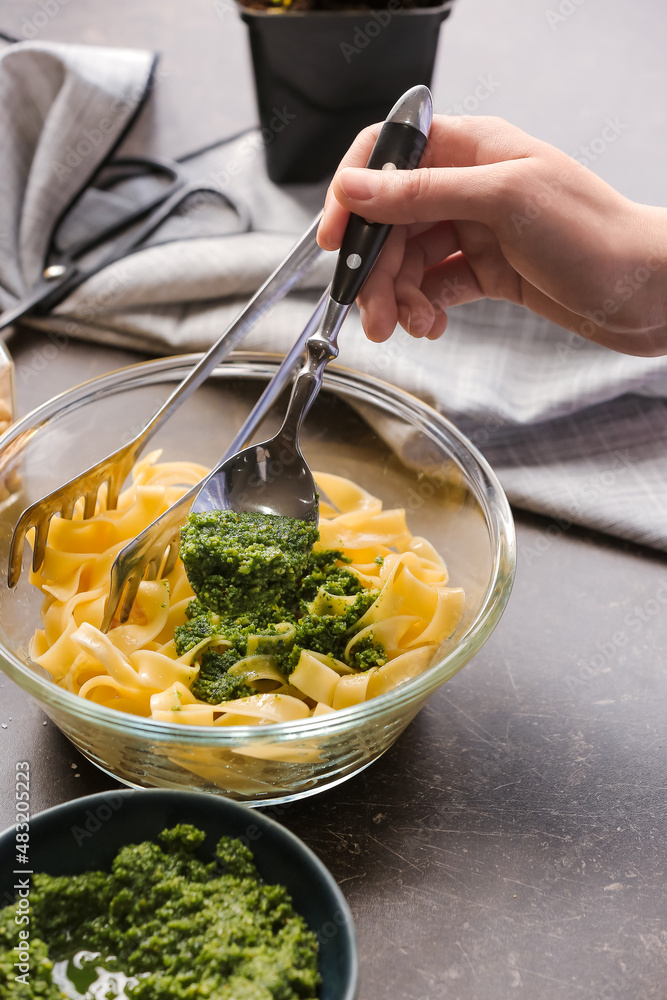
<point>574,431</point>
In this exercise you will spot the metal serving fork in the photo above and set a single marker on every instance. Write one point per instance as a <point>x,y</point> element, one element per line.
<point>114,469</point>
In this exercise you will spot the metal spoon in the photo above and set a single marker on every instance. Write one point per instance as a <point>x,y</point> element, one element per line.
<point>273,477</point>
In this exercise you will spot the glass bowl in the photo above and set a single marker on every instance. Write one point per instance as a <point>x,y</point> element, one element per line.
<point>392,444</point>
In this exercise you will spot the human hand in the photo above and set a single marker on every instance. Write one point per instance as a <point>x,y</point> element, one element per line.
<point>495,213</point>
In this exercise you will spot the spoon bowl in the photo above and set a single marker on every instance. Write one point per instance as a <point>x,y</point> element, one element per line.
<point>272,477</point>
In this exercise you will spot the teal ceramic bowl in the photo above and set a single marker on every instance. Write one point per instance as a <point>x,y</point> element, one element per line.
<point>86,834</point>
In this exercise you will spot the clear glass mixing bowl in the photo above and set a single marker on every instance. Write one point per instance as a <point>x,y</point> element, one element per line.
<point>391,443</point>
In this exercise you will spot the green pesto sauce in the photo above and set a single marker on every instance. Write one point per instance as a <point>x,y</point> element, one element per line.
<point>240,563</point>
<point>253,575</point>
<point>163,925</point>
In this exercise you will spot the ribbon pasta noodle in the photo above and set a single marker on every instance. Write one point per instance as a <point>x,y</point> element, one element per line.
<point>136,667</point>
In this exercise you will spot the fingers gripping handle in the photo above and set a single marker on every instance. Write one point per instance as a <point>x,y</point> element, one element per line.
<point>398,146</point>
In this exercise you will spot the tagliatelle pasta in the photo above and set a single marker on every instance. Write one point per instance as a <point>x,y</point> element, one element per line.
<point>136,667</point>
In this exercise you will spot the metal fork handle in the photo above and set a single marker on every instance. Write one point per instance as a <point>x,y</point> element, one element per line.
<point>295,265</point>
<point>149,546</point>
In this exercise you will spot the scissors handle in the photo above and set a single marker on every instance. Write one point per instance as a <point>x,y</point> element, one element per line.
<point>51,290</point>
<point>142,165</point>
<point>133,241</point>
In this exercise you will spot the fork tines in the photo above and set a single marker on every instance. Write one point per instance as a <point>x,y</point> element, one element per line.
<point>111,471</point>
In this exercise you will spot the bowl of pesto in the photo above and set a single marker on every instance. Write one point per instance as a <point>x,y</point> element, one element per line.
<point>293,667</point>
<point>163,894</point>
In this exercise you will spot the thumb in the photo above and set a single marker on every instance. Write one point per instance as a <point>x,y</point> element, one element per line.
<point>426,194</point>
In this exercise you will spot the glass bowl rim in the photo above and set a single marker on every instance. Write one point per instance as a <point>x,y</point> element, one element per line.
<point>480,479</point>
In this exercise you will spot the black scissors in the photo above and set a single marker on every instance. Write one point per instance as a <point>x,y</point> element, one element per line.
<point>123,232</point>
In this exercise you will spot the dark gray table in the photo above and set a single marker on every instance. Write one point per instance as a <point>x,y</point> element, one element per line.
<point>512,843</point>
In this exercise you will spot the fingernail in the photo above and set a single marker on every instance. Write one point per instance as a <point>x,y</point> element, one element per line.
<point>421,322</point>
<point>359,183</point>
<point>404,317</point>
<point>365,323</point>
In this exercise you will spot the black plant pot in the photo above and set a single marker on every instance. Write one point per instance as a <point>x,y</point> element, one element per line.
<point>321,77</point>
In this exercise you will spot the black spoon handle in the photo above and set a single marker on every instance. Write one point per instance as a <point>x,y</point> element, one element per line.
<point>400,145</point>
